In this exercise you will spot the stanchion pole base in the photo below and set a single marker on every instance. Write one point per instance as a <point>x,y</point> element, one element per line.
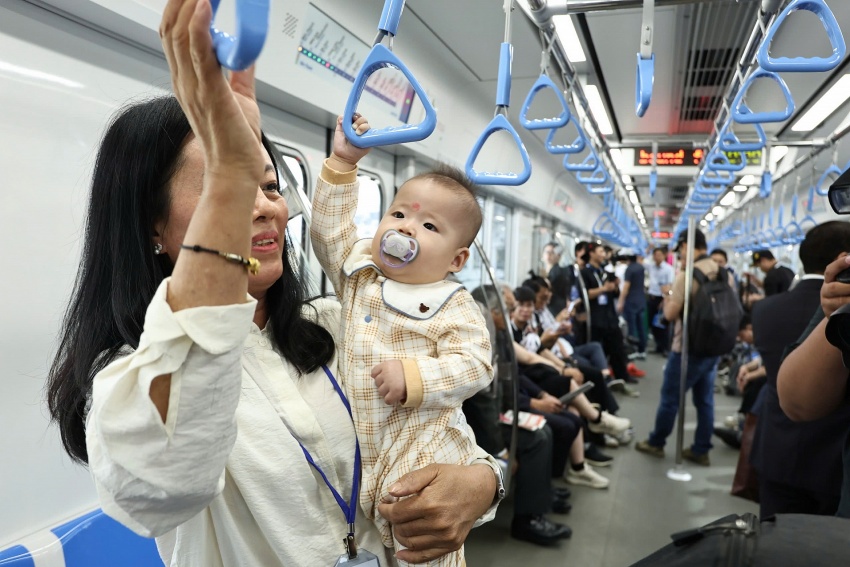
<point>679,474</point>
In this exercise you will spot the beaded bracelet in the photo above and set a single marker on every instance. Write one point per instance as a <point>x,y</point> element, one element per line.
<point>251,264</point>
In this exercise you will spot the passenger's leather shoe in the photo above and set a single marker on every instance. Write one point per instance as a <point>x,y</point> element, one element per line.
<point>561,492</point>
<point>538,530</point>
<point>731,437</point>
<point>698,458</point>
<point>561,506</point>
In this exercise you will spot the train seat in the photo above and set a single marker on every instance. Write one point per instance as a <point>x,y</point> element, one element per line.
<point>91,540</point>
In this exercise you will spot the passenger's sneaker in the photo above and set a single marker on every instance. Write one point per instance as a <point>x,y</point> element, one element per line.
<point>645,447</point>
<point>631,391</point>
<point>698,458</point>
<point>595,457</point>
<point>731,421</point>
<point>634,371</point>
<point>626,436</point>
<point>610,424</point>
<point>611,442</point>
<point>637,356</point>
<point>617,385</point>
<point>586,477</point>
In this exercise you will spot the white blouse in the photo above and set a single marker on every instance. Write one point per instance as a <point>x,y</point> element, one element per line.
<point>224,482</point>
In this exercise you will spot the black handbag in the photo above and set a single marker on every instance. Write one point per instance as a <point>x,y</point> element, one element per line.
<point>785,540</point>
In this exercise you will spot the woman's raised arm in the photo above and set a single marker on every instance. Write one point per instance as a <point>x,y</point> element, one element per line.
<point>225,119</point>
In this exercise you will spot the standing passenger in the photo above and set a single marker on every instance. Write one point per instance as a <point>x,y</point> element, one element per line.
<point>660,282</point>
<point>632,303</point>
<point>167,350</point>
<point>799,464</point>
<point>700,371</point>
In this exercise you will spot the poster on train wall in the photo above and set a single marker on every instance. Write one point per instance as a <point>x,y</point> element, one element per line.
<point>329,50</point>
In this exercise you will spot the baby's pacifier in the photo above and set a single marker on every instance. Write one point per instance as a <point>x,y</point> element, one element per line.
<point>398,250</point>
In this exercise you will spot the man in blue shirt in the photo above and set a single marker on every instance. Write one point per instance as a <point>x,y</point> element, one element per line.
<point>660,275</point>
<point>632,303</point>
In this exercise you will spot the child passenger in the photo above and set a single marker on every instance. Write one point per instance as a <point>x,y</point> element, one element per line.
<point>414,345</point>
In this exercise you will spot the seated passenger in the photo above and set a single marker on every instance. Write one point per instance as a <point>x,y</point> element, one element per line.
<point>414,345</point>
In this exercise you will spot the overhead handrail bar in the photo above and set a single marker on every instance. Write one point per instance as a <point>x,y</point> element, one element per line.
<point>238,52</point>
<point>805,64</point>
<point>500,121</point>
<point>742,114</point>
<point>381,57</point>
<point>645,71</point>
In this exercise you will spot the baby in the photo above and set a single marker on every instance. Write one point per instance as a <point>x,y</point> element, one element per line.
<point>413,345</point>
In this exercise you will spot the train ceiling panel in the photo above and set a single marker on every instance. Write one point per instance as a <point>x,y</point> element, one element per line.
<point>615,37</point>
<point>474,29</point>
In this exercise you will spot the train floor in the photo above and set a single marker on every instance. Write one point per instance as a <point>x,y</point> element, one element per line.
<point>635,516</point>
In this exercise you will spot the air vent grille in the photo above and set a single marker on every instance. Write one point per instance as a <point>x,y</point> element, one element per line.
<point>715,39</point>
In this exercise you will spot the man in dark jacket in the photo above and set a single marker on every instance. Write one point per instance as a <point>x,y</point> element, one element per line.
<point>799,464</point>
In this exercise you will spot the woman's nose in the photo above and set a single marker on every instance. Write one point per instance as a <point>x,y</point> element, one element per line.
<point>263,207</point>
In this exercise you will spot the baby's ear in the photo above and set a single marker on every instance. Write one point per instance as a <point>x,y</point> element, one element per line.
<point>461,256</point>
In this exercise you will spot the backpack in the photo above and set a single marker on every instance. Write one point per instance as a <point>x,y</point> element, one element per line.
<point>714,317</point>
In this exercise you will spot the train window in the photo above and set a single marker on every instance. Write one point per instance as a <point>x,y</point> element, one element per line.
<point>369,205</point>
<point>498,248</point>
<point>293,162</point>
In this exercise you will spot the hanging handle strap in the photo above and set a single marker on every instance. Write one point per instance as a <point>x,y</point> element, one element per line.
<point>729,142</point>
<point>718,161</point>
<point>497,177</point>
<point>390,16</point>
<point>766,185</point>
<point>588,164</point>
<point>237,53</point>
<point>645,73</point>
<point>379,58</point>
<point>805,64</point>
<point>544,82</point>
<point>577,146</point>
<point>742,114</point>
<point>822,186</point>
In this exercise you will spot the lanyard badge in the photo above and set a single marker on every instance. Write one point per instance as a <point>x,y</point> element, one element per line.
<point>352,555</point>
<point>361,557</point>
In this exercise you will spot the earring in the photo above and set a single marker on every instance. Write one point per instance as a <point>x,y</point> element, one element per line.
<point>157,248</point>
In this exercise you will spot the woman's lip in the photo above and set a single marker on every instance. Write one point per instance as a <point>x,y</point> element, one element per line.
<point>268,235</point>
<point>264,248</point>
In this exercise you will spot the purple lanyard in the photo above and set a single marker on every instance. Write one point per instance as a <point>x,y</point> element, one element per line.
<point>350,508</point>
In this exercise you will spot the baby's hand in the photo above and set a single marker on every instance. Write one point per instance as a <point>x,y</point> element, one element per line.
<point>345,151</point>
<point>389,378</point>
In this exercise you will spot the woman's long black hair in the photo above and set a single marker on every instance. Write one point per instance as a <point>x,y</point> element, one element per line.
<point>119,272</point>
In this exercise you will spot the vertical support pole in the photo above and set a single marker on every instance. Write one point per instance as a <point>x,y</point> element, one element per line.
<point>678,473</point>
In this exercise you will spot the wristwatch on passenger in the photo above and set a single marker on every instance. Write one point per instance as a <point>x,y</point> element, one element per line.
<point>500,485</point>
